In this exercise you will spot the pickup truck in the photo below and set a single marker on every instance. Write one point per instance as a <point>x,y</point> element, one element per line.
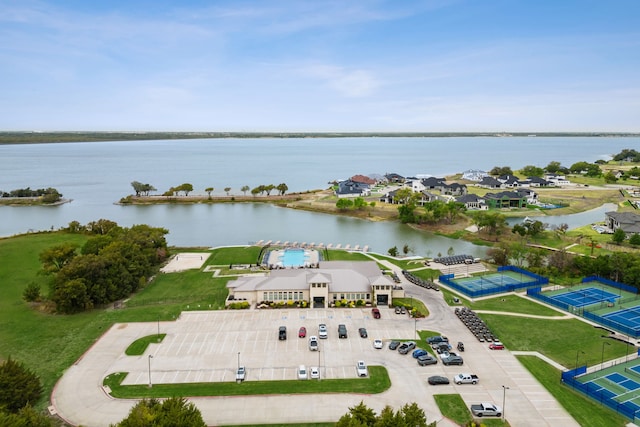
<point>466,379</point>
<point>240,374</point>
<point>486,410</point>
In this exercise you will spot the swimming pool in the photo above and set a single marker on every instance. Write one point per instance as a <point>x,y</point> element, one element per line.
<point>293,257</point>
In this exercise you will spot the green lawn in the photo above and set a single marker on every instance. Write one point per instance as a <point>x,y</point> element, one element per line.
<point>557,339</point>
<point>583,409</point>
<point>512,303</point>
<point>377,382</point>
<point>139,346</point>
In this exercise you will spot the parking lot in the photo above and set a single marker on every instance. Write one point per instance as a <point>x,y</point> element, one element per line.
<point>208,346</point>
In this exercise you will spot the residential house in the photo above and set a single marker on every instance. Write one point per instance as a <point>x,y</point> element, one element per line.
<point>349,188</point>
<point>506,199</point>
<point>362,179</point>
<point>454,189</point>
<point>490,182</point>
<point>394,178</point>
<point>472,202</point>
<point>530,196</point>
<point>474,175</point>
<point>535,181</point>
<point>626,221</point>
<point>509,181</point>
<point>557,180</point>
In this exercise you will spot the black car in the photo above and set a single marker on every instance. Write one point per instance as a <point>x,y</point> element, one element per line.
<point>363,332</point>
<point>437,339</point>
<point>460,346</point>
<point>393,345</point>
<point>437,379</point>
<point>427,359</point>
<point>406,347</point>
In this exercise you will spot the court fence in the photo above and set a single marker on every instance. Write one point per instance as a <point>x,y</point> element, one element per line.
<point>536,280</point>
<point>536,292</point>
<point>611,283</point>
<point>600,394</point>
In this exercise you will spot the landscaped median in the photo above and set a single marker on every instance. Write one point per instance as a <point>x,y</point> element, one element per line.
<point>377,382</point>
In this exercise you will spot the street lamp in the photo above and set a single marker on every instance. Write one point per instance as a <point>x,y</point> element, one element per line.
<point>504,394</point>
<point>602,357</point>
<point>158,328</point>
<point>238,360</point>
<point>149,358</point>
<point>415,326</point>
<point>319,370</point>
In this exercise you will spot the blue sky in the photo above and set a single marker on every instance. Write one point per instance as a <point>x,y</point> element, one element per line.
<point>263,65</point>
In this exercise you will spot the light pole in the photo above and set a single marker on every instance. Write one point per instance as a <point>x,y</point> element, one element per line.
<point>238,360</point>
<point>602,357</point>
<point>319,370</point>
<point>504,395</point>
<point>149,358</point>
<point>415,328</point>
<point>158,328</point>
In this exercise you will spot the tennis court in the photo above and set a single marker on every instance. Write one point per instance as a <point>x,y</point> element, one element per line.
<point>585,296</point>
<point>615,386</point>
<point>488,281</point>
<point>627,316</point>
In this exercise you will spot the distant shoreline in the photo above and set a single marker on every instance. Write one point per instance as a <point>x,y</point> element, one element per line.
<point>12,138</point>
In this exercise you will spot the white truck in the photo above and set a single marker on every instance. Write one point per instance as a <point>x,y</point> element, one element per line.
<point>466,379</point>
<point>241,374</point>
<point>486,410</point>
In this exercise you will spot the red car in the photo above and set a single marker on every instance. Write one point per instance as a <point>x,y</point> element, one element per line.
<point>302,332</point>
<point>376,313</point>
<point>496,345</point>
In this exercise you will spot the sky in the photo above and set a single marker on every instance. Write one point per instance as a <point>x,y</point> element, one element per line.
<point>320,66</point>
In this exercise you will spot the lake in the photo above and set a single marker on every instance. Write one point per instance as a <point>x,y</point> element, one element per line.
<point>97,174</point>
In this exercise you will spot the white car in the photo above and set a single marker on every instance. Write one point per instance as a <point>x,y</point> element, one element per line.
<point>377,344</point>
<point>313,343</point>
<point>322,331</point>
<point>361,368</point>
<point>314,372</point>
<point>302,372</point>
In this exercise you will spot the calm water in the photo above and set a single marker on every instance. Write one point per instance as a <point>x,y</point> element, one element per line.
<point>95,175</point>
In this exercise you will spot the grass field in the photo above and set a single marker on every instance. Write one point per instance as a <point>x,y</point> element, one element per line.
<point>48,344</point>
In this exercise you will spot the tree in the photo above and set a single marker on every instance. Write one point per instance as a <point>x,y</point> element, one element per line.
<point>610,177</point>
<point>186,187</point>
<point>209,190</point>
<point>137,187</point>
<point>282,188</point>
<point>269,188</point>
<point>174,411</point>
<point>26,417</point>
<point>359,203</point>
<point>244,189</point>
<point>255,191</point>
<point>553,167</point>
<point>31,293</point>
<point>343,204</point>
<point>406,249</point>
<point>393,251</point>
<point>635,239</point>
<point>359,415</point>
<point>227,189</point>
<point>56,257</point>
<point>501,170</point>
<point>19,386</point>
<point>618,236</point>
<point>531,170</point>
<point>413,415</point>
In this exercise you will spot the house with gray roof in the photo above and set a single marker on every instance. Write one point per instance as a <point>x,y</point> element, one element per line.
<point>626,221</point>
<point>350,188</point>
<point>394,178</point>
<point>489,182</point>
<point>474,175</point>
<point>506,199</point>
<point>332,281</point>
<point>472,202</point>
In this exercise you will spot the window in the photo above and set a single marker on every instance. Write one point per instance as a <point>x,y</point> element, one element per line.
<point>264,296</point>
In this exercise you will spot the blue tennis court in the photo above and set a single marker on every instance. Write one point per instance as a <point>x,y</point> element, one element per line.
<point>629,317</point>
<point>487,281</point>
<point>625,382</point>
<point>587,296</point>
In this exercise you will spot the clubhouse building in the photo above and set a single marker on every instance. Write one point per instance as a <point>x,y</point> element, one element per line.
<point>322,287</point>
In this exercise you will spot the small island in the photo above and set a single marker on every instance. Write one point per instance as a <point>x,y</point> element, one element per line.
<point>28,197</point>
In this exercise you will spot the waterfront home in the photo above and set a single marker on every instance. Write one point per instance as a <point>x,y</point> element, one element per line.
<point>349,188</point>
<point>474,175</point>
<point>506,199</point>
<point>626,221</point>
<point>490,183</point>
<point>362,179</point>
<point>472,202</point>
<point>557,180</point>
<point>332,281</point>
<point>394,178</point>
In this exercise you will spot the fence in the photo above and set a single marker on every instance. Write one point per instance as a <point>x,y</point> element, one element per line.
<point>600,394</point>
<point>611,283</point>
<point>536,281</point>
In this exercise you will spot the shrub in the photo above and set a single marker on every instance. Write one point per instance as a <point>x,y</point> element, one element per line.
<point>31,292</point>
<point>359,303</point>
<point>19,386</point>
<point>239,305</point>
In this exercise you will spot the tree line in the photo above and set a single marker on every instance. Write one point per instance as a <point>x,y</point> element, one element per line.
<point>48,195</point>
<point>144,189</point>
<point>115,262</point>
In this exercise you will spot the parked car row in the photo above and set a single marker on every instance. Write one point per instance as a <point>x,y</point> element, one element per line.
<point>475,324</point>
<point>456,259</point>
<point>428,284</point>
